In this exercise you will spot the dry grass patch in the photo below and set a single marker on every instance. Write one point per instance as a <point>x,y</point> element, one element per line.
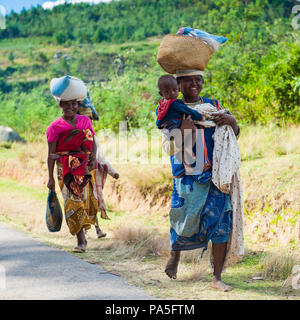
<point>279,265</point>
<point>141,241</point>
<point>29,164</point>
<point>268,142</point>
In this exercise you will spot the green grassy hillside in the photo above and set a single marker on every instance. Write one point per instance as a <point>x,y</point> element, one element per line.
<point>255,74</point>
<point>132,20</point>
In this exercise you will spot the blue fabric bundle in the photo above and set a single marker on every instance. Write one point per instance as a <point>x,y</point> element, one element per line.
<point>211,40</point>
<point>87,103</point>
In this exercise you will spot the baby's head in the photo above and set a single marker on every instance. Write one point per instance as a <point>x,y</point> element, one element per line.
<point>168,87</point>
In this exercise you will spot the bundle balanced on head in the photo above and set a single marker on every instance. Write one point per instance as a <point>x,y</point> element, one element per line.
<point>206,200</point>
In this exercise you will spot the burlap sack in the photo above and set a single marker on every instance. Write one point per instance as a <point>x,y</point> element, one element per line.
<point>177,52</point>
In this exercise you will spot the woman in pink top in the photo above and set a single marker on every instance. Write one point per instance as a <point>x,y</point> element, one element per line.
<point>71,142</point>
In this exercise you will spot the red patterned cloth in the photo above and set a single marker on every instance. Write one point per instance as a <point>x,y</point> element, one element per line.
<point>75,147</point>
<point>163,107</point>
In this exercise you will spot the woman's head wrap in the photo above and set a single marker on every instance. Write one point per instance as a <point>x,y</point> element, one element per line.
<point>68,88</point>
<point>186,73</point>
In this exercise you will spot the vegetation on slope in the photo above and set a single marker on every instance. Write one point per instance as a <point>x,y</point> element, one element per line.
<point>255,74</point>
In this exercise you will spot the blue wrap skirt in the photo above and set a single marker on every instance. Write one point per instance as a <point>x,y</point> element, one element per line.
<point>200,212</point>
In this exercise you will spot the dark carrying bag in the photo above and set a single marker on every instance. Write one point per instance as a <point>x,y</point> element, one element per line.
<point>54,214</point>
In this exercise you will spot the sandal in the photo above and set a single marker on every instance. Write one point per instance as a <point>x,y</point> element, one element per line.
<point>78,250</point>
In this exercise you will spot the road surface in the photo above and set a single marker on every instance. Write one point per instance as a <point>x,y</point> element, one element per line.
<point>32,270</point>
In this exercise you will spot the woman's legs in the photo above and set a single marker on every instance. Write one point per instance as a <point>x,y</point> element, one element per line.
<point>81,240</point>
<point>172,265</point>
<point>219,254</point>
<point>100,233</point>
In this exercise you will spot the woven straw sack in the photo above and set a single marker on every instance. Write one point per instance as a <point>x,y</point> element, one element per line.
<point>177,52</point>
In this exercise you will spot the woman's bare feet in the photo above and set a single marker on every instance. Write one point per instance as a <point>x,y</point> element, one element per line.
<point>220,285</point>
<point>172,265</point>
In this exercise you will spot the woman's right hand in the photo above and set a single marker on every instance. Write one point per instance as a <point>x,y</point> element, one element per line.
<point>51,184</point>
<point>187,123</point>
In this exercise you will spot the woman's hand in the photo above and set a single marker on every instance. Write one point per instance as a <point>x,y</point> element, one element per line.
<point>187,123</point>
<point>227,119</point>
<point>116,176</point>
<point>51,184</point>
<point>224,118</point>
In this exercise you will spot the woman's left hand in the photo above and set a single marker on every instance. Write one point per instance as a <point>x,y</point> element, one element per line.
<point>225,118</point>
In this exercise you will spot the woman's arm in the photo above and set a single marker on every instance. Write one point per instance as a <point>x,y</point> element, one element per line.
<point>51,162</point>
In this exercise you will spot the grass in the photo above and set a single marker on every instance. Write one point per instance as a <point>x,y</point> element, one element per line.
<point>26,191</point>
<point>258,142</point>
<point>137,242</point>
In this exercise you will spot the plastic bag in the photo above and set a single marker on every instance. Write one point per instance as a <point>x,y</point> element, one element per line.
<point>54,214</point>
<point>211,40</point>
